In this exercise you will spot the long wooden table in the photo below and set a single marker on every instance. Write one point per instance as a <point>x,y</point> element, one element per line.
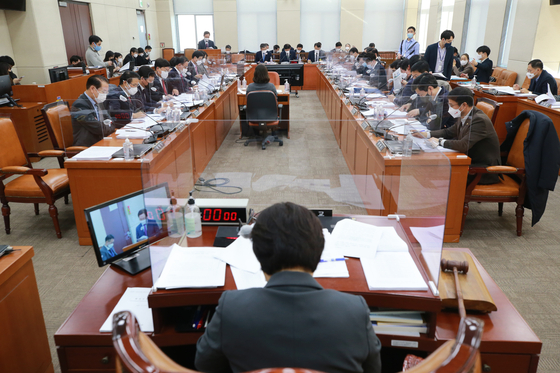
<point>508,343</point>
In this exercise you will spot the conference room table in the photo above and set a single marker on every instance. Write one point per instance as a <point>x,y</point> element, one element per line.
<point>508,343</point>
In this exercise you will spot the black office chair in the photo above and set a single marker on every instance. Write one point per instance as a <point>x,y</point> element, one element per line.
<point>262,114</point>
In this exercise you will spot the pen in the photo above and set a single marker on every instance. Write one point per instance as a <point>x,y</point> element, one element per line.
<point>332,260</point>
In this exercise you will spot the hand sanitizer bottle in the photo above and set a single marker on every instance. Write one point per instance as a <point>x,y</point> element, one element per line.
<point>175,218</point>
<point>407,145</point>
<point>128,150</point>
<point>244,84</point>
<point>193,225</point>
<point>287,86</point>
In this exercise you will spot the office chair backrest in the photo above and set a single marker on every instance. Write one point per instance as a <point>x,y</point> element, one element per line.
<point>515,157</point>
<point>497,72</point>
<point>274,77</point>
<point>489,107</point>
<point>507,78</point>
<point>262,106</point>
<point>11,150</point>
<point>59,124</point>
<point>168,53</point>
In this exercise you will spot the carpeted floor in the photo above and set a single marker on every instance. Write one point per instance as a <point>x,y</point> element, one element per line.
<point>310,169</point>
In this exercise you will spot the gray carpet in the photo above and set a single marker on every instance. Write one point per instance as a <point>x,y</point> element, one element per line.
<point>310,169</point>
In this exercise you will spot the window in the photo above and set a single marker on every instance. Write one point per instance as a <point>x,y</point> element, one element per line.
<point>507,32</point>
<point>256,24</point>
<point>193,18</point>
<point>446,15</point>
<point>384,18</point>
<point>478,16</point>
<point>424,17</point>
<point>319,21</point>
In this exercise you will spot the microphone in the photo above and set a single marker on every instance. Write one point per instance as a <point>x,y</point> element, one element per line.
<point>245,231</point>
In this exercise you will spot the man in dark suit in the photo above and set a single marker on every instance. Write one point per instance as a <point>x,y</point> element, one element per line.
<point>147,228</point>
<point>299,49</point>
<point>176,82</point>
<point>90,120</point>
<point>146,90</point>
<point>375,71</point>
<point>416,70</point>
<point>107,251</point>
<point>141,59</point>
<point>316,54</point>
<point>540,79</point>
<point>263,55</point>
<point>206,43</point>
<point>472,133</point>
<point>124,102</point>
<point>288,54</point>
<point>131,57</point>
<point>435,101</point>
<point>483,66</point>
<point>194,68</point>
<point>292,321</point>
<point>440,55</point>
<point>162,68</point>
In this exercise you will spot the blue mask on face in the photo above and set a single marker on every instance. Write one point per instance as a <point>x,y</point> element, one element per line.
<point>97,48</point>
<point>365,64</point>
<point>410,35</point>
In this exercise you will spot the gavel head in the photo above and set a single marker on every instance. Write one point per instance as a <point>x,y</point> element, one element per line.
<point>447,265</point>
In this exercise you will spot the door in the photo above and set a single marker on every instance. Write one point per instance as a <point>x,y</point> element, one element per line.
<point>142,32</point>
<point>76,27</point>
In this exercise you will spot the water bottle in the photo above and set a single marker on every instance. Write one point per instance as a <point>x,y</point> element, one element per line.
<point>238,83</point>
<point>128,150</point>
<point>474,81</point>
<point>244,84</point>
<point>362,93</point>
<point>407,145</point>
<point>175,218</point>
<point>287,86</point>
<point>193,225</point>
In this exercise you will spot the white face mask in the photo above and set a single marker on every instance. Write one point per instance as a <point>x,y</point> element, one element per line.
<point>530,75</point>
<point>101,97</point>
<point>206,39</point>
<point>204,60</point>
<point>464,63</point>
<point>147,54</point>
<point>199,62</point>
<point>132,91</point>
<point>228,52</point>
<point>455,113</point>
<point>164,74</point>
<point>347,48</point>
<point>120,59</point>
<point>135,55</point>
<point>141,54</point>
<point>480,57</point>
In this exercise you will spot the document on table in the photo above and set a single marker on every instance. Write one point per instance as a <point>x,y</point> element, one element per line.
<point>356,239</point>
<point>134,300</point>
<point>132,133</point>
<point>240,254</point>
<point>247,280</point>
<point>126,66</point>
<point>189,267</point>
<point>402,126</point>
<point>392,271</point>
<point>395,114</point>
<point>333,263</point>
<point>97,153</point>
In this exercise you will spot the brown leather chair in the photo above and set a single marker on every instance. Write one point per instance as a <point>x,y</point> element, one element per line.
<point>275,57</point>
<point>274,77</point>
<point>188,52</point>
<point>168,53</point>
<point>250,57</point>
<point>511,189</point>
<point>497,72</point>
<point>489,107</point>
<point>137,353</point>
<point>506,78</point>
<point>526,83</point>
<point>34,185</point>
<point>59,126</point>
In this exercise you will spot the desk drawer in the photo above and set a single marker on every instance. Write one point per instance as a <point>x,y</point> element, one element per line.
<point>505,363</point>
<point>90,359</point>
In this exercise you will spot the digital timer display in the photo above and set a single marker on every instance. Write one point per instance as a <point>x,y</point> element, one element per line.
<point>223,215</point>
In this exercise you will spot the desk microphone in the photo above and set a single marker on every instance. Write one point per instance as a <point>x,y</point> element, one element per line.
<point>382,132</point>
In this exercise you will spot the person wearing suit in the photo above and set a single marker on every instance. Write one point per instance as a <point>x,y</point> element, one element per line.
<point>472,133</point>
<point>147,228</point>
<point>124,102</point>
<point>107,251</point>
<point>288,54</point>
<point>484,67</point>
<point>263,55</point>
<point>435,100</point>
<point>316,54</point>
<point>146,90</point>
<point>194,69</point>
<point>131,56</point>
<point>89,115</point>
<point>206,43</point>
<point>299,49</point>
<point>147,52</point>
<point>176,83</point>
<point>293,321</point>
<point>141,58</point>
<point>162,68</point>
<point>440,55</point>
<point>337,48</point>
<point>403,99</point>
<point>375,71</point>
<point>540,79</point>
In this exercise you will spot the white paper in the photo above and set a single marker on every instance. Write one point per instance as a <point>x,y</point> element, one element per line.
<point>134,300</point>
<point>356,239</point>
<point>392,271</point>
<point>126,66</point>
<point>391,241</point>
<point>403,129</point>
<point>439,75</point>
<point>333,263</point>
<point>546,97</point>
<point>240,254</point>
<point>395,114</point>
<point>189,267</point>
<point>97,153</point>
<point>132,134</point>
<point>247,280</point>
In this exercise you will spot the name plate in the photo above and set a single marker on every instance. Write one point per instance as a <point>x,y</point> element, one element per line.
<point>217,94</point>
<point>346,101</point>
<point>340,94</point>
<point>196,113</point>
<point>364,124</point>
<point>355,111</point>
<point>159,146</point>
<point>380,145</point>
<point>207,103</point>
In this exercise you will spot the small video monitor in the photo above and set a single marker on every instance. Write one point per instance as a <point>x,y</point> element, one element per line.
<point>122,228</point>
<point>58,74</point>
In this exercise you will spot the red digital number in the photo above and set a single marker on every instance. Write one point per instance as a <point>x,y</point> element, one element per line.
<point>160,213</point>
<point>150,215</point>
<point>217,212</point>
<point>207,214</point>
<point>234,216</point>
<point>226,216</point>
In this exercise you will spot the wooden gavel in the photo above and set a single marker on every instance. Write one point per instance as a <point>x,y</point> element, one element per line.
<point>457,266</point>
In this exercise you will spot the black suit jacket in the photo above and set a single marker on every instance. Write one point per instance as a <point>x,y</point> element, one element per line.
<point>484,71</point>
<point>194,71</point>
<point>141,60</point>
<point>291,322</point>
<point>541,150</point>
<point>440,107</point>
<point>158,93</point>
<point>378,76</point>
<point>146,95</point>
<point>431,56</point>
<point>311,55</point>
<point>128,58</point>
<point>202,44</point>
<point>176,81</point>
<point>287,58</point>
<point>121,107</point>
<point>477,139</point>
<point>541,86</point>
<point>87,129</point>
<point>259,57</point>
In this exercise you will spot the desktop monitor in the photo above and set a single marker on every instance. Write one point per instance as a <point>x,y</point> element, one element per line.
<point>58,74</point>
<point>129,226</point>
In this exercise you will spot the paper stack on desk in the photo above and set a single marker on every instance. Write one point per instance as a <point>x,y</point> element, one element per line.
<point>134,300</point>
<point>132,133</point>
<point>189,267</point>
<point>97,153</point>
<point>333,263</point>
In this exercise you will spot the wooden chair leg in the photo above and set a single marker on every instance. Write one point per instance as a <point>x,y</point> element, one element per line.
<point>519,214</point>
<point>465,212</point>
<point>66,199</point>
<point>500,208</point>
<point>53,212</point>
<point>36,208</point>
<point>6,214</point>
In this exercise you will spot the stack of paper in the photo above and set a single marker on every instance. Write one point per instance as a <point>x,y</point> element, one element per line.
<point>356,239</point>
<point>134,300</point>
<point>192,268</point>
<point>245,267</point>
<point>395,114</point>
<point>333,263</point>
<point>97,153</point>
<point>132,133</point>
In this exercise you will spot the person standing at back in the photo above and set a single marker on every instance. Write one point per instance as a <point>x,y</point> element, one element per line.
<point>293,321</point>
<point>440,55</point>
<point>206,43</point>
<point>483,65</point>
<point>409,47</point>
